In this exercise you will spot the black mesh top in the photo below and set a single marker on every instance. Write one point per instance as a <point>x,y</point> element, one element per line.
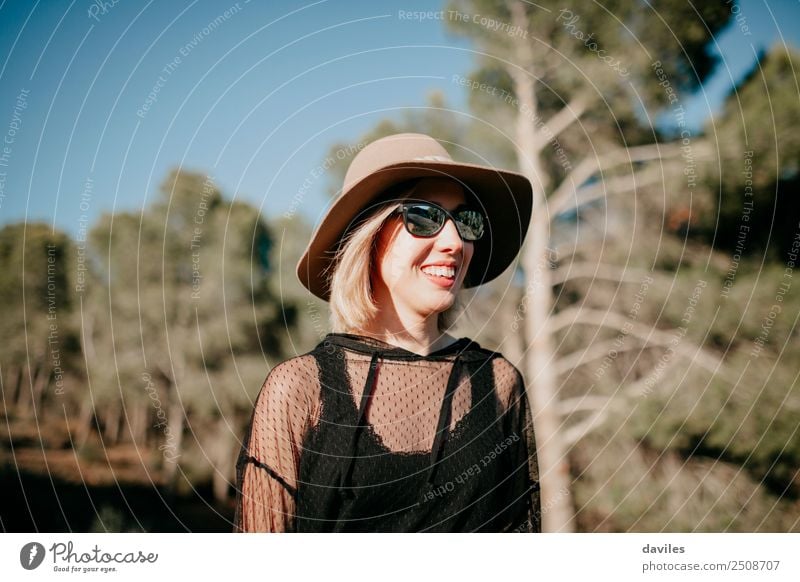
<point>361,435</point>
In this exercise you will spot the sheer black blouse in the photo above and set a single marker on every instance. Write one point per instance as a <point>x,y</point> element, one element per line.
<point>361,435</point>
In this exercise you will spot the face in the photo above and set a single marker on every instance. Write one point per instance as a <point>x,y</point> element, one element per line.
<point>404,273</point>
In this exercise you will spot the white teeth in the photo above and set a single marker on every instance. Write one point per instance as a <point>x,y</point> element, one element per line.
<point>448,272</point>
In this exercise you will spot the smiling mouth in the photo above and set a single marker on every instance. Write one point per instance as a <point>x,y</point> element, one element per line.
<point>440,271</point>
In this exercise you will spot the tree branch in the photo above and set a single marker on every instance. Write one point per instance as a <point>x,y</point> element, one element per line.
<point>618,185</point>
<point>570,248</point>
<point>595,351</point>
<point>560,121</point>
<point>576,432</point>
<point>579,404</point>
<point>600,271</point>
<point>648,334</point>
<point>581,429</point>
<point>589,166</point>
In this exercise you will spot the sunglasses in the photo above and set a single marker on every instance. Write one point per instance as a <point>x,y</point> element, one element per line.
<point>426,219</point>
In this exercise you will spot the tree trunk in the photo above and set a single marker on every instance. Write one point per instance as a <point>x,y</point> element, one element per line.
<point>88,415</point>
<point>12,384</point>
<point>25,392</point>
<point>85,422</point>
<point>558,513</point>
<point>40,382</point>
<point>138,424</point>
<point>111,420</point>
<point>224,453</point>
<point>543,391</point>
<point>171,448</point>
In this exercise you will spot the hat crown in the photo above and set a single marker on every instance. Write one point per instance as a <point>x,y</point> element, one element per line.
<point>394,149</point>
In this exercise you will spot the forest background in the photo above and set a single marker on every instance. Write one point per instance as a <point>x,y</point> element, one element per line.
<point>653,311</point>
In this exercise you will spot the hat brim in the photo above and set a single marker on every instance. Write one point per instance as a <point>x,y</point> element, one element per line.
<point>505,197</point>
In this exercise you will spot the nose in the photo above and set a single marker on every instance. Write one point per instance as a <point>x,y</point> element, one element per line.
<point>448,237</point>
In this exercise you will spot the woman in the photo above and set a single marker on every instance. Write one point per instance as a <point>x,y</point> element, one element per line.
<point>390,423</point>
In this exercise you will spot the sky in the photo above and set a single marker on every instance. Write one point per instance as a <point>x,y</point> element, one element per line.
<point>101,98</point>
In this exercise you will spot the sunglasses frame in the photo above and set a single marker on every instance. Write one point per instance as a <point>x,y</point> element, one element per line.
<point>404,207</point>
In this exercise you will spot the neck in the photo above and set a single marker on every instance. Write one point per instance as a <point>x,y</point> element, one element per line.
<point>412,332</point>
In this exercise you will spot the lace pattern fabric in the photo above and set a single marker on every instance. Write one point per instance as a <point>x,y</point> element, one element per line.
<point>360,435</point>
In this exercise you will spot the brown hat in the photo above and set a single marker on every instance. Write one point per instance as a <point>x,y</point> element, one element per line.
<point>505,198</point>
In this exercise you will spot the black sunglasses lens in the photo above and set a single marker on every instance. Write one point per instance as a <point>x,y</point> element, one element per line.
<point>470,224</point>
<point>424,220</point>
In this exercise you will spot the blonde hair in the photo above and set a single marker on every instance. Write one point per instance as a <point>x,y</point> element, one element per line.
<point>351,303</point>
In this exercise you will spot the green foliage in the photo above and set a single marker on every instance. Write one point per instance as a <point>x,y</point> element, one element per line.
<point>759,209</point>
<point>750,422</point>
<point>189,285</point>
<point>625,485</point>
<point>38,314</point>
<point>303,313</point>
<point>34,283</point>
<point>693,450</point>
<point>600,51</point>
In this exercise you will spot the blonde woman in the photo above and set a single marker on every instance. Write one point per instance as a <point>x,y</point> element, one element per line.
<point>391,424</point>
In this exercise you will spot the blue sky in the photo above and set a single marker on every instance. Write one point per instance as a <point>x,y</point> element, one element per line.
<point>120,94</point>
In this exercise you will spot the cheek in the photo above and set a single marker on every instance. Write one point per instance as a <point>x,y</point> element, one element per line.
<point>395,254</point>
<point>388,268</point>
<point>400,261</point>
<point>469,251</point>
<point>384,247</point>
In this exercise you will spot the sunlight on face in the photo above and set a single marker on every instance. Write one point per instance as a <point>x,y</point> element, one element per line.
<point>400,256</point>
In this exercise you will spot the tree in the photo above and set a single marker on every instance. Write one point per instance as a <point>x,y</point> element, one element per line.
<point>576,81</point>
<point>188,297</point>
<point>36,321</point>
<point>760,157</point>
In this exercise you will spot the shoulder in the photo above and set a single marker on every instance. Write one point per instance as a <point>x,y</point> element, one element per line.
<point>501,365</point>
<point>297,367</point>
<point>505,371</point>
<point>509,383</point>
<point>293,381</point>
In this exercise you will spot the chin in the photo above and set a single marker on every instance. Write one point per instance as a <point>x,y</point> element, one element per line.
<point>445,304</point>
